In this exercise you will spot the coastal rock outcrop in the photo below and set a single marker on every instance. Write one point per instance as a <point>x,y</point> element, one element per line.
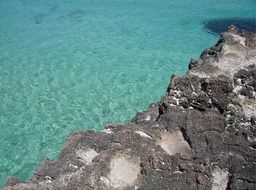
<point>201,135</point>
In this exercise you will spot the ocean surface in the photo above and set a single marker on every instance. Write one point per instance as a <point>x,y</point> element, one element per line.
<point>76,65</point>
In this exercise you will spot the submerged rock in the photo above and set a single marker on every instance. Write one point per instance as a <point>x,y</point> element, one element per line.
<point>217,26</point>
<point>201,135</point>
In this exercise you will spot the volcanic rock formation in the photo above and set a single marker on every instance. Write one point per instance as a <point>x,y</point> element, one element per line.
<point>201,135</point>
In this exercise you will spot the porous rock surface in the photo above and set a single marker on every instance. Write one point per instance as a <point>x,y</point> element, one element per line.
<point>201,135</point>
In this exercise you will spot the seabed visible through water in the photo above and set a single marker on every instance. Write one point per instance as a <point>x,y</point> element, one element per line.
<point>77,65</point>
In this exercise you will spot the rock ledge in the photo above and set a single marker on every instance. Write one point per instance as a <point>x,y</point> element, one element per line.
<point>201,135</point>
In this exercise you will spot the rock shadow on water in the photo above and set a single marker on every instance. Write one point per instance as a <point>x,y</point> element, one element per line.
<point>218,26</point>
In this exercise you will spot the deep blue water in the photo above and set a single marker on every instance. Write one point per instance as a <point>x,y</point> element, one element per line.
<point>77,65</point>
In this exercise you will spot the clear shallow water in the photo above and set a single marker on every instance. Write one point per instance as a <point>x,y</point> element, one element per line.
<point>77,65</point>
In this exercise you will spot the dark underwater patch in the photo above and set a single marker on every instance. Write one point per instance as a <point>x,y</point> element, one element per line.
<point>76,14</point>
<point>53,8</point>
<point>38,19</point>
<point>218,26</point>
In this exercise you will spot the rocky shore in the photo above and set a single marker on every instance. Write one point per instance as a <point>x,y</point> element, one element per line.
<point>201,135</point>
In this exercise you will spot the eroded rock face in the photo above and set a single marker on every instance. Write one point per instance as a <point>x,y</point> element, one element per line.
<point>220,179</point>
<point>174,143</point>
<point>86,155</point>
<point>123,171</point>
<point>201,135</point>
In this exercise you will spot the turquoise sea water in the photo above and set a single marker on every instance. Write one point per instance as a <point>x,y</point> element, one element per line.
<point>77,65</point>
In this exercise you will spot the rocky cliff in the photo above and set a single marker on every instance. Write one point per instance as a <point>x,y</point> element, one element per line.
<point>201,135</point>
